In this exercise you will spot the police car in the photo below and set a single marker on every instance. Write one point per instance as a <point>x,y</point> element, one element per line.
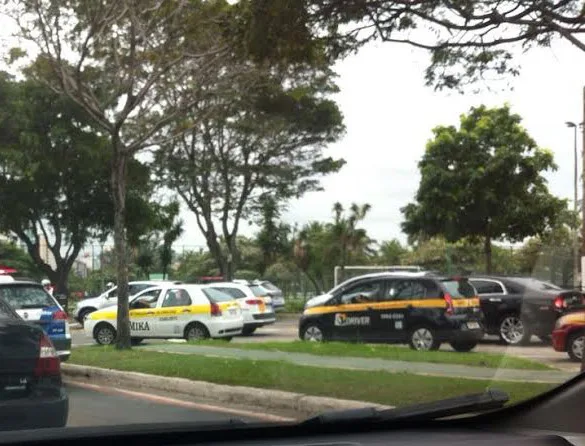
<point>33,304</point>
<point>254,300</point>
<point>171,311</point>
<point>420,309</point>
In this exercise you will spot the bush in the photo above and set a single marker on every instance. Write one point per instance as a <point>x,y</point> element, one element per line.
<point>294,305</point>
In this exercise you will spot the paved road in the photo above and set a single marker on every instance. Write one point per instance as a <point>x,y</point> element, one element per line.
<point>92,405</point>
<point>285,330</point>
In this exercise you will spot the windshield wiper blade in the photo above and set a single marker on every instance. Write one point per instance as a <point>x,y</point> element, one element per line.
<point>479,402</point>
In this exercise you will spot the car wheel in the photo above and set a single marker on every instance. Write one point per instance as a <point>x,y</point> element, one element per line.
<point>104,334</point>
<point>312,333</point>
<point>248,331</point>
<point>513,331</point>
<point>463,346</point>
<point>196,332</point>
<point>83,314</point>
<point>575,345</point>
<point>136,341</point>
<point>423,338</point>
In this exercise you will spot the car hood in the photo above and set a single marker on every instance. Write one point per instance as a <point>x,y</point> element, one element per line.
<point>91,302</point>
<point>318,300</point>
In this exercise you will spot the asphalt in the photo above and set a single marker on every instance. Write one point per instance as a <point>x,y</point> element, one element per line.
<point>107,406</point>
<point>421,368</point>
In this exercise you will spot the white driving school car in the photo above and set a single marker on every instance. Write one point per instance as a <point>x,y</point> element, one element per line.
<point>171,311</point>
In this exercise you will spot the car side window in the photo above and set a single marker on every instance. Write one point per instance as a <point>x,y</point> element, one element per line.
<point>137,288</point>
<point>176,298</point>
<point>405,290</point>
<point>147,299</point>
<point>364,292</point>
<point>487,287</point>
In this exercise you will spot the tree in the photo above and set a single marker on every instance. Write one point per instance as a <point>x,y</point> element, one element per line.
<point>119,60</point>
<point>13,256</point>
<point>467,40</point>
<point>57,164</point>
<point>173,230</point>
<point>483,180</point>
<point>391,252</point>
<point>273,237</point>
<point>348,237</point>
<point>265,137</point>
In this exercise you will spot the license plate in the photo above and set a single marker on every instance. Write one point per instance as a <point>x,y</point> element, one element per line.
<point>262,307</point>
<point>233,311</point>
<point>473,325</point>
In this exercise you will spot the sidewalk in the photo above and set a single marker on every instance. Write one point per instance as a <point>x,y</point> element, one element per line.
<point>420,368</point>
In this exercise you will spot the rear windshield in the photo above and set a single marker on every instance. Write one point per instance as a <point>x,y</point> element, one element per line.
<point>269,286</point>
<point>459,288</point>
<point>258,291</point>
<point>21,297</point>
<point>536,284</point>
<point>215,295</point>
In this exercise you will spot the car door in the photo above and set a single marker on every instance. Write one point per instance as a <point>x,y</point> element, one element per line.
<point>143,321</point>
<point>492,300</point>
<point>175,307</point>
<point>355,307</point>
<point>409,308</point>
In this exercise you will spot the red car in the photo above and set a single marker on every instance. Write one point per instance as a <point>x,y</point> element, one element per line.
<point>569,335</point>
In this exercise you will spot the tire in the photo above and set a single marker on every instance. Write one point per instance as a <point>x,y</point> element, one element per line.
<point>84,313</point>
<point>463,346</point>
<point>104,334</point>
<point>313,333</point>
<point>513,331</point>
<point>136,341</point>
<point>196,332</point>
<point>575,343</point>
<point>248,331</point>
<point>423,338</point>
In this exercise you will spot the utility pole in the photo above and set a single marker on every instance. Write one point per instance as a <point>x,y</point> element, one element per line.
<point>576,278</point>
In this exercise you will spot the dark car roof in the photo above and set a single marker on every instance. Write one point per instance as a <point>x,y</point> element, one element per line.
<point>525,282</point>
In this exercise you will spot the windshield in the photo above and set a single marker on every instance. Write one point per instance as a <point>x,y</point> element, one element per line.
<point>375,201</point>
<point>21,297</point>
<point>459,288</point>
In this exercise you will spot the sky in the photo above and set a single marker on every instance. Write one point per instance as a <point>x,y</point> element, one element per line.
<point>389,114</point>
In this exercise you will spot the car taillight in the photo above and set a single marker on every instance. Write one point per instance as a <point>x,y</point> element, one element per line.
<point>254,301</point>
<point>215,310</point>
<point>48,363</point>
<point>60,315</point>
<point>449,304</point>
<point>560,302</point>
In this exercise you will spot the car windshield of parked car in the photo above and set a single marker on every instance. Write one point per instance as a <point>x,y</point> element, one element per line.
<point>26,297</point>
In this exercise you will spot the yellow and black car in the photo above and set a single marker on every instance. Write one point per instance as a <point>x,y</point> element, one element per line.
<point>420,309</point>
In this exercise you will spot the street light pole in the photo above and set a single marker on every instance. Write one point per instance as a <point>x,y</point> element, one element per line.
<point>575,208</point>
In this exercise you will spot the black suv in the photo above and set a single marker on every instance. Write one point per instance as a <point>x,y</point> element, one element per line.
<point>420,309</point>
<point>515,308</point>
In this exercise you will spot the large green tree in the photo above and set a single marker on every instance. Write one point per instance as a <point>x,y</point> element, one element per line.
<point>54,165</point>
<point>123,61</point>
<point>483,180</point>
<point>265,136</point>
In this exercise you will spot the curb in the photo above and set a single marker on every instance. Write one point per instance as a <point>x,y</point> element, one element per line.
<point>301,404</point>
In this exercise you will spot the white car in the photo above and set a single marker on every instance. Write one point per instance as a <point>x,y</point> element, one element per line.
<point>255,303</point>
<point>171,311</point>
<point>110,298</point>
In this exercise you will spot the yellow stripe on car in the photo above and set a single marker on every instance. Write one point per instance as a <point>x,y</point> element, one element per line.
<point>418,303</point>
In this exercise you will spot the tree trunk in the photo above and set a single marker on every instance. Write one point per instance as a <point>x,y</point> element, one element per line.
<point>119,177</point>
<point>487,250</point>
